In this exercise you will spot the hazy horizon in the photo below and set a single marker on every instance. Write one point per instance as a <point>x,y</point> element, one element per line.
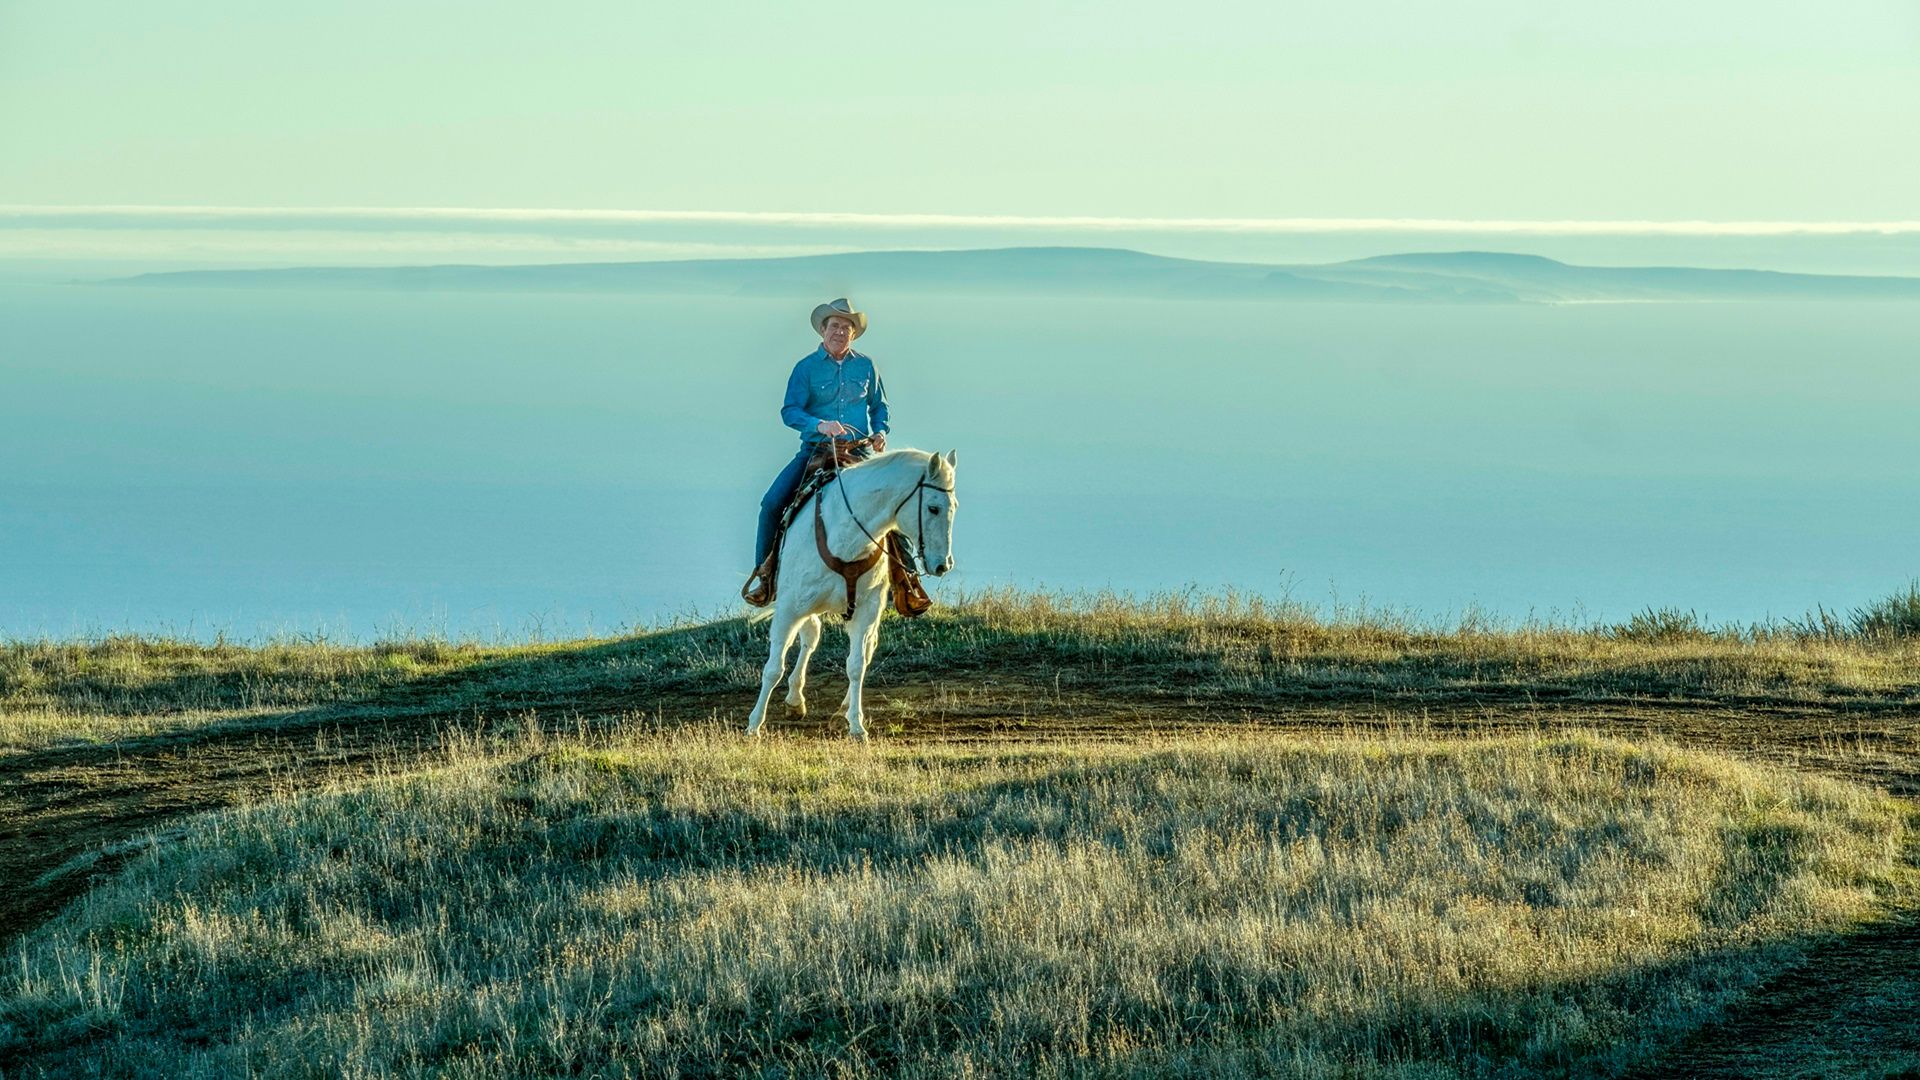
<point>57,242</point>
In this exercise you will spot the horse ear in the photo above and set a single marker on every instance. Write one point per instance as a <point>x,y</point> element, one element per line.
<point>952,455</point>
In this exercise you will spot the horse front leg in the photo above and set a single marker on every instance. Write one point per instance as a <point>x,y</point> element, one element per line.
<point>797,685</point>
<point>862,634</point>
<point>872,639</point>
<point>779,639</point>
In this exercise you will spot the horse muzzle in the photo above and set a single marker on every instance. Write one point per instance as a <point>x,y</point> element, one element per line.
<point>946,564</point>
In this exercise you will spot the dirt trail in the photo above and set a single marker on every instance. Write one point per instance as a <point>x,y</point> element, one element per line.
<point>1853,1008</point>
<point>60,808</point>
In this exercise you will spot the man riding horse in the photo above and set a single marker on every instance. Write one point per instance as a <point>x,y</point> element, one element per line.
<point>876,525</point>
<point>837,403</point>
<point>902,500</point>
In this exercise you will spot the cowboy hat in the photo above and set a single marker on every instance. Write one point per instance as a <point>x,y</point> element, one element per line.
<point>843,308</point>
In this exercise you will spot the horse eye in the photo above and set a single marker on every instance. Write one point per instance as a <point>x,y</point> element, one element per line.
<point>933,509</point>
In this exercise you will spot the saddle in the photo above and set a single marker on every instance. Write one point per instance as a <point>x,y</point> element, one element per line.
<point>909,597</point>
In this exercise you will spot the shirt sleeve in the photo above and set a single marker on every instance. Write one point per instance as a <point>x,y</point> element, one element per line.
<point>793,411</point>
<point>877,405</point>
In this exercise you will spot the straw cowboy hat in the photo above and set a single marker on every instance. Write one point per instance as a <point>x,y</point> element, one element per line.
<point>843,308</point>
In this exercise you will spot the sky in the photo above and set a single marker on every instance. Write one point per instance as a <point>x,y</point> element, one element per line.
<point>1629,110</point>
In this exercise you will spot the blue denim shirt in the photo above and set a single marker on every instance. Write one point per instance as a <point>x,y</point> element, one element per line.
<point>847,390</point>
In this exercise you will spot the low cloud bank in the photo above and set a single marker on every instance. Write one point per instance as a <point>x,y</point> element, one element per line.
<point>441,218</point>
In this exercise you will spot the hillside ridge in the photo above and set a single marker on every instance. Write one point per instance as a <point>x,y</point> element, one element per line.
<point>1408,277</point>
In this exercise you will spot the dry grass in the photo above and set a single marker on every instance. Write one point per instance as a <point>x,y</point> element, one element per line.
<point>31,728</point>
<point>1227,645</point>
<point>700,905</point>
<point>124,687</point>
<point>1203,649</point>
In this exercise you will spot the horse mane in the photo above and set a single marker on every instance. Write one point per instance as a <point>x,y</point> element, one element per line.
<point>923,456</point>
<point>890,455</point>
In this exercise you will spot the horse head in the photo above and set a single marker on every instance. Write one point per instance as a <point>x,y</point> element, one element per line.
<point>934,513</point>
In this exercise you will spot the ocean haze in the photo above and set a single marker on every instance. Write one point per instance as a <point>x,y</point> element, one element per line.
<point>358,461</point>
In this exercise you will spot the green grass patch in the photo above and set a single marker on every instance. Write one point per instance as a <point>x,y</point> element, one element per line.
<point>700,904</point>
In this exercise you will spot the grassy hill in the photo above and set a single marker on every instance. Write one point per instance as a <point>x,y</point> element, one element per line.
<point>702,905</point>
<point>1093,837</point>
<point>1007,661</point>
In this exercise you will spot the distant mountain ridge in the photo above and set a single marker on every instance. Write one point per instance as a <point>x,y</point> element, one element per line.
<point>1420,277</point>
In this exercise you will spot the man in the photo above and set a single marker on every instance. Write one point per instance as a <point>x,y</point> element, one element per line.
<point>833,393</point>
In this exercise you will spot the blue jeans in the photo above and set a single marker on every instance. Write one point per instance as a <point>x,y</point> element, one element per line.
<point>775,501</point>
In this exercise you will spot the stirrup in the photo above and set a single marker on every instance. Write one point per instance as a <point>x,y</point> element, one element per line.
<point>758,590</point>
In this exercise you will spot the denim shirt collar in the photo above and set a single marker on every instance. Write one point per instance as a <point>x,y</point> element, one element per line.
<point>821,353</point>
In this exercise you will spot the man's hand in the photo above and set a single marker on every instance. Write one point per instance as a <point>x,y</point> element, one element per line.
<point>834,428</point>
<point>879,441</point>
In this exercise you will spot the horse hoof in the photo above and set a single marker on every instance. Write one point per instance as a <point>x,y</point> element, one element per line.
<point>798,708</point>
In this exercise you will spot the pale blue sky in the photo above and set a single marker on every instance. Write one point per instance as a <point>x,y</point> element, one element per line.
<point>1711,110</point>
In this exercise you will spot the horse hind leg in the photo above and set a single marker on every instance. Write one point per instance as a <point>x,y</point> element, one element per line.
<point>779,639</point>
<point>797,685</point>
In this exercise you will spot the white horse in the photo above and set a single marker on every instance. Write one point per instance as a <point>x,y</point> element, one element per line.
<point>907,490</point>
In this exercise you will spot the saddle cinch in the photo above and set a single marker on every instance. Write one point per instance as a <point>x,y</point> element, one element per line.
<point>909,597</point>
